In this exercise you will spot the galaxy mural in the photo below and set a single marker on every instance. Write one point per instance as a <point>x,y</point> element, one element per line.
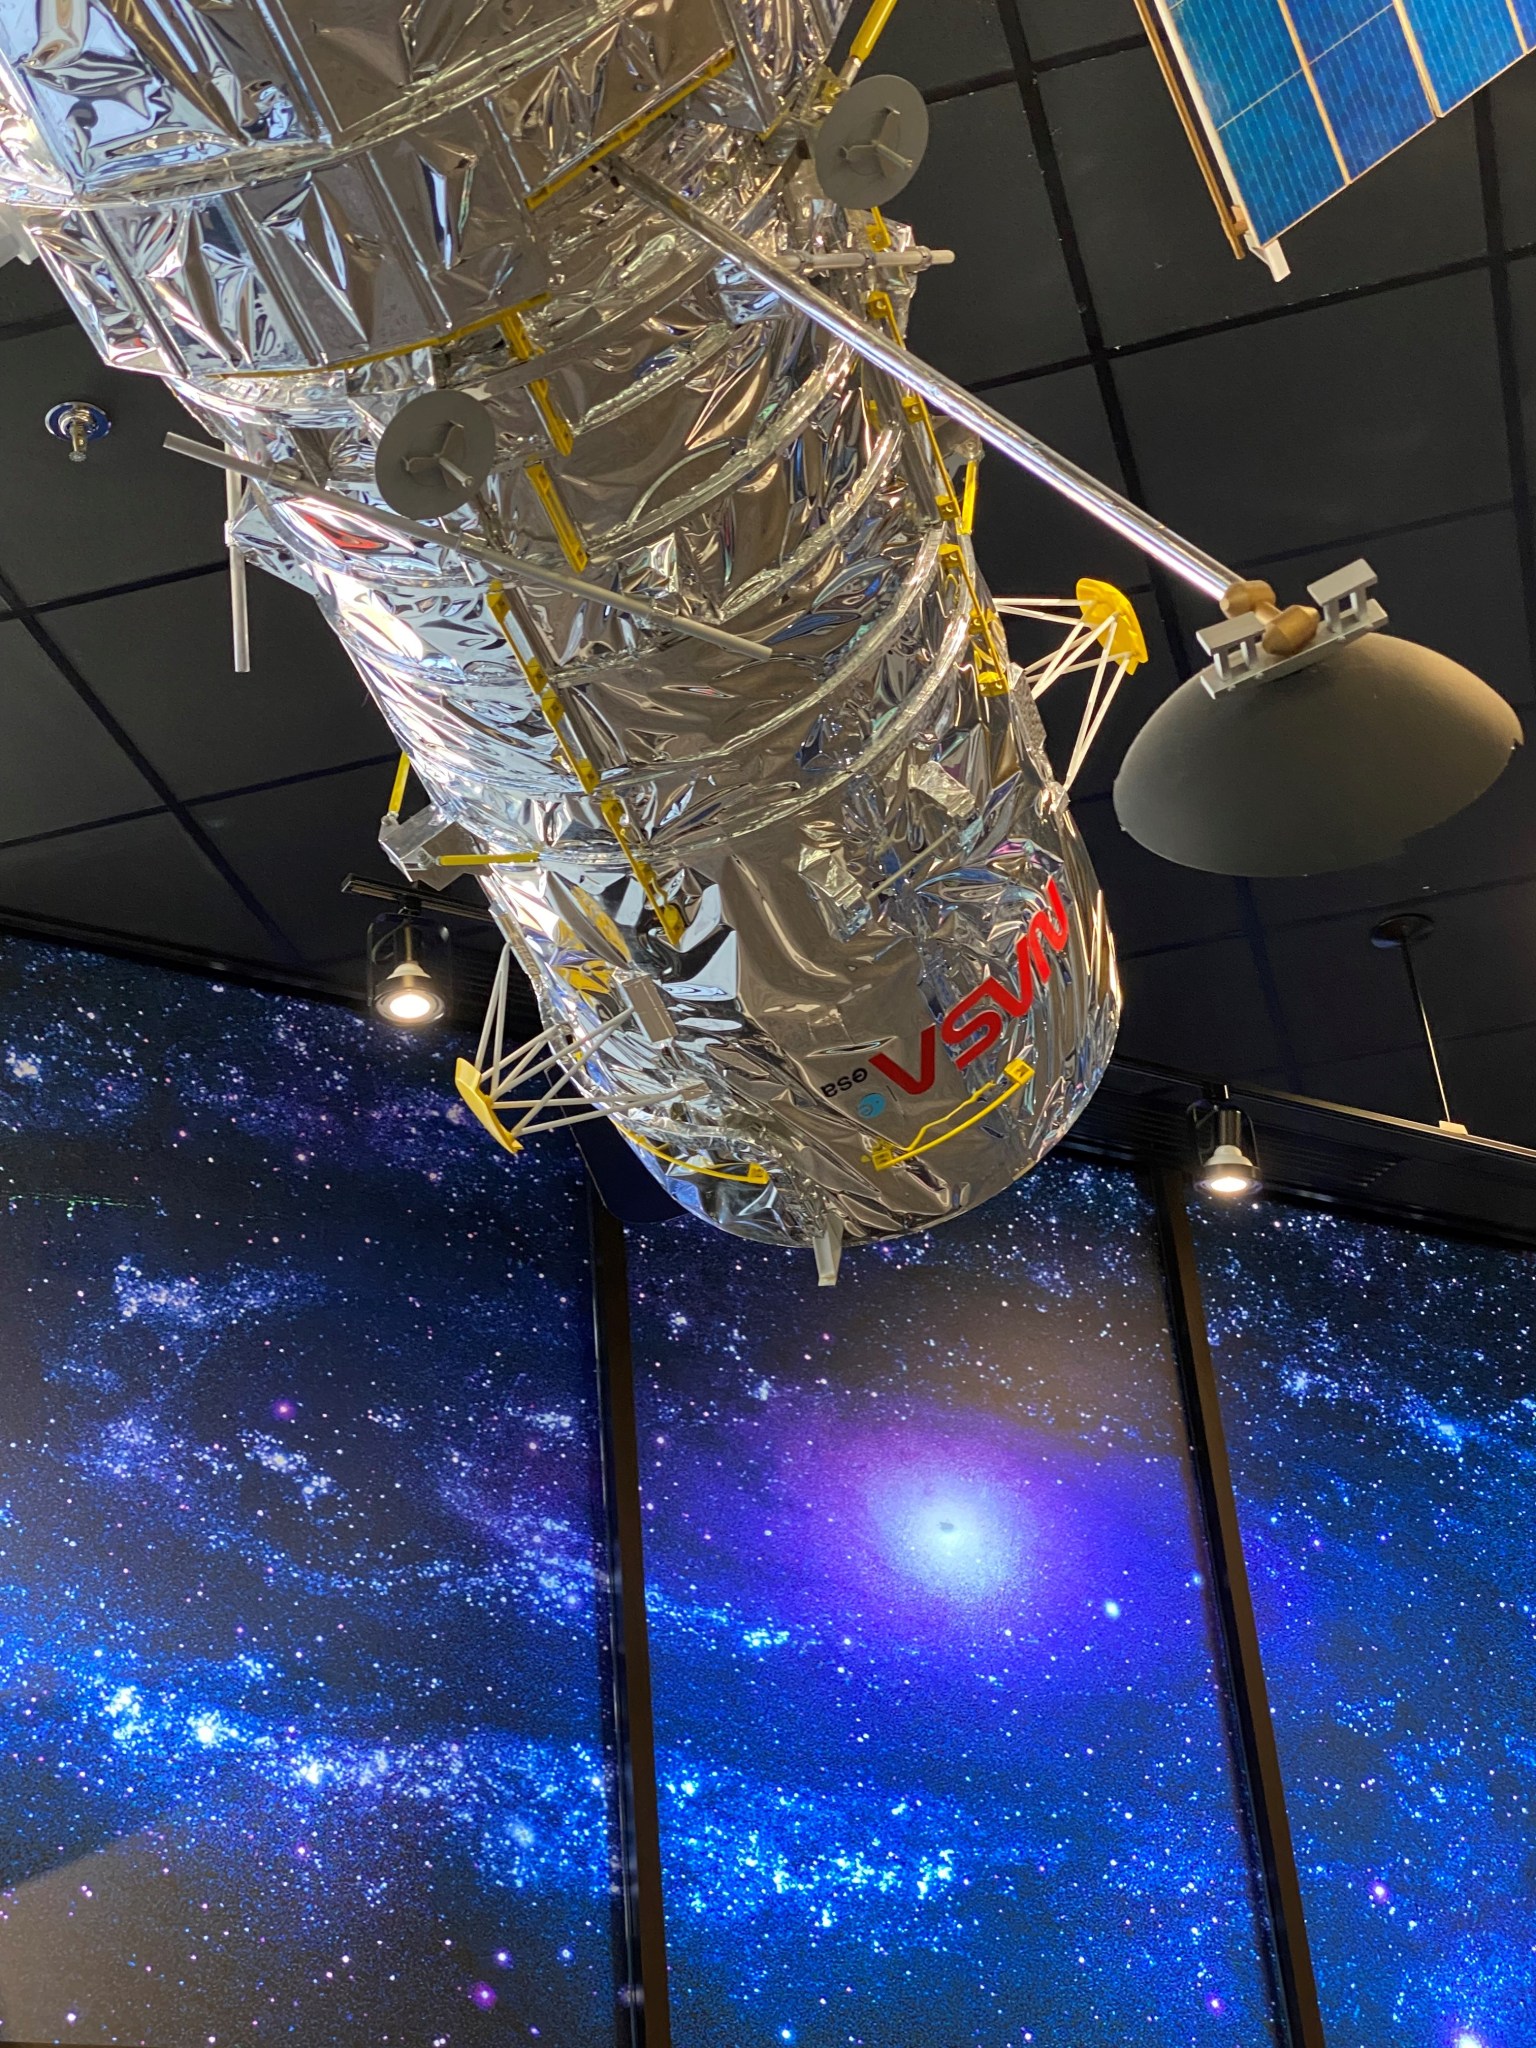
<point>300,1732</point>
<point>1380,1399</point>
<point>941,1753</point>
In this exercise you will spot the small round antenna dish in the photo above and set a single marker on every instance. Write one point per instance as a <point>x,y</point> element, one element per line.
<point>435,454</point>
<point>1331,765</point>
<point>872,141</point>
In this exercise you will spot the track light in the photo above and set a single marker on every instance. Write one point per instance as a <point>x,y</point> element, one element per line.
<point>1228,1154</point>
<point>408,996</point>
<point>404,992</point>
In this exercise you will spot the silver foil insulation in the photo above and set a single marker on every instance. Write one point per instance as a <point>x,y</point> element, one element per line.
<point>817,931</point>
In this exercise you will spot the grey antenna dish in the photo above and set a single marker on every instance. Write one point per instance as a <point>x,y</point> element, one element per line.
<point>872,141</point>
<point>435,454</point>
<point>1313,742</point>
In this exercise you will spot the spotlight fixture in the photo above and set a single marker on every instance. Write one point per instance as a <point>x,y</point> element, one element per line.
<point>401,986</point>
<point>1228,1155</point>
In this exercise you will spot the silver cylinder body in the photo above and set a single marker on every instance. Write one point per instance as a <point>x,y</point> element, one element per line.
<point>886,979</point>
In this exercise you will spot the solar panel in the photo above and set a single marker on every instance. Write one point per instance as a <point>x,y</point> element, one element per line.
<point>1295,99</point>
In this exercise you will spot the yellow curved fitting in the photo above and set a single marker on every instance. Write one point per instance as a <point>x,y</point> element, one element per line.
<point>1101,602</point>
<point>755,1176</point>
<point>1018,1074</point>
<point>466,1078</point>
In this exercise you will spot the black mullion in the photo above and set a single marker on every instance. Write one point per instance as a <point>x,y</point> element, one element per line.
<point>1508,358</point>
<point>206,845</point>
<point>644,2020</point>
<point>1247,1696</point>
<point>1044,143</point>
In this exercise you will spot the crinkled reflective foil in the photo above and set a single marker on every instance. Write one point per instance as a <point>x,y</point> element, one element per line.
<point>889,984</point>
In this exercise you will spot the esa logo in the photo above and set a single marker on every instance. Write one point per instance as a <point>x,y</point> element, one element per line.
<point>975,1024</point>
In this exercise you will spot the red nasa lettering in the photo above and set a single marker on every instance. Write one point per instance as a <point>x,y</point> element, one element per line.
<point>973,1025</point>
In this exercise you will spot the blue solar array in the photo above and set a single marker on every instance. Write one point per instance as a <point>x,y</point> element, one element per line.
<point>1304,95</point>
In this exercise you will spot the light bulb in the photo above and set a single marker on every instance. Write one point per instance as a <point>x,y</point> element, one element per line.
<point>409,1006</point>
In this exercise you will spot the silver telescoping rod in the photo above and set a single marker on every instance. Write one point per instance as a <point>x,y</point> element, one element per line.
<point>1160,542</point>
<point>513,567</point>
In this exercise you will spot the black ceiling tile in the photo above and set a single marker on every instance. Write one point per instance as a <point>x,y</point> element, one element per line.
<point>1395,1081</point>
<point>143,879</point>
<point>59,766</point>
<point>1522,299</point>
<point>1454,586</point>
<point>1055,28</point>
<point>1157,258</point>
<point>294,846</point>
<point>1200,1008</point>
<point>1488,1081</point>
<point>1478,968</point>
<point>1029,540</point>
<point>1005,304</point>
<point>129,511</point>
<point>1343,997</point>
<point>1152,903</point>
<point>28,293</point>
<point>161,660</point>
<point>1491,841</point>
<point>1512,101</point>
<point>941,45</point>
<point>1374,412</point>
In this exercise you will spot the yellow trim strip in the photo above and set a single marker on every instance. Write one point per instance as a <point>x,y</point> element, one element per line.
<point>1018,1073</point>
<point>572,546</point>
<point>1317,98</point>
<point>755,1176</point>
<point>1194,133</point>
<point>388,355</point>
<point>397,794</point>
<point>637,125</point>
<point>1519,31</point>
<point>968,498</point>
<point>486,860</point>
<point>871,28</point>
<point>1411,38</point>
<point>667,914</point>
<point>556,425</point>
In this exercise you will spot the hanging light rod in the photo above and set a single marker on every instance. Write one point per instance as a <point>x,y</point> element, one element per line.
<point>1160,542</point>
<point>414,899</point>
<point>512,566</point>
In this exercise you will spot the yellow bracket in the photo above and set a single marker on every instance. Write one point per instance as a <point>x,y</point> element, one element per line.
<point>968,499</point>
<point>880,308</point>
<point>556,425</point>
<point>1100,603</point>
<point>1017,1074</point>
<point>572,546</point>
<point>466,1078</point>
<point>755,1176</point>
<point>667,914</point>
<point>397,794</point>
<point>637,125</point>
<point>989,646</point>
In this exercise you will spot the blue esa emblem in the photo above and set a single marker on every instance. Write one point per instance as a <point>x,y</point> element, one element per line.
<point>871,1105</point>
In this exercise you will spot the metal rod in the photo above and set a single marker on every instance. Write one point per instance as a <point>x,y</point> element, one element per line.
<point>1160,542</point>
<point>1253,1729</point>
<point>1429,1036</point>
<point>644,2022</point>
<point>476,551</point>
<point>239,613</point>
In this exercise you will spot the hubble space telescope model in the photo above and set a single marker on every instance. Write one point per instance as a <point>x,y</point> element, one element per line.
<point>556,346</point>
